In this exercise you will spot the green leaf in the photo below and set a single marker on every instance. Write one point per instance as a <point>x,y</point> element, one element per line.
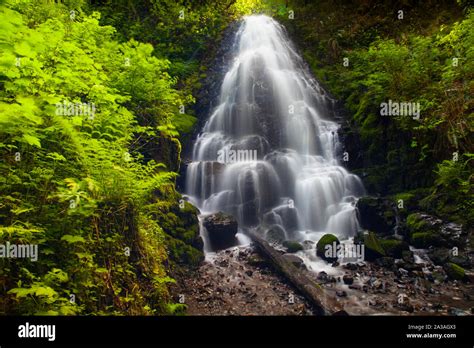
<point>72,239</point>
<point>32,140</point>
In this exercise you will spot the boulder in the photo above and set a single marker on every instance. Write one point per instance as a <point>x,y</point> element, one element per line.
<point>292,246</point>
<point>386,262</point>
<point>425,239</point>
<point>426,230</point>
<point>221,229</point>
<point>377,214</point>
<point>373,248</point>
<point>454,271</point>
<point>393,247</point>
<point>327,239</point>
<point>348,279</point>
<point>275,234</point>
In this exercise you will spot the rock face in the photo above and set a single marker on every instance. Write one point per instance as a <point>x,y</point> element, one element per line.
<point>221,228</point>
<point>181,227</point>
<point>376,214</point>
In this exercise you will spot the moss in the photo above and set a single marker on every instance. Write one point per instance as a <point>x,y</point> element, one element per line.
<point>424,239</point>
<point>454,271</point>
<point>415,223</point>
<point>183,253</point>
<point>393,247</point>
<point>406,197</point>
<point>327,239</point>
<point>292,246</point>
<point>372,246</point>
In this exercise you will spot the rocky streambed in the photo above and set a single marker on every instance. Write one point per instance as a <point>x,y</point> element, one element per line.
<point>238,281</point>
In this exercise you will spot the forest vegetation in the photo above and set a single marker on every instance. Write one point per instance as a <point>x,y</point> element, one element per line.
<point>97,98</point>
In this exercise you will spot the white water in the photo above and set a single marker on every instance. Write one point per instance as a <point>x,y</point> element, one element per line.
<point>270,103</point>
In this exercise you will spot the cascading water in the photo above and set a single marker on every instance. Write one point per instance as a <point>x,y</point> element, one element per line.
<point>268,154</point>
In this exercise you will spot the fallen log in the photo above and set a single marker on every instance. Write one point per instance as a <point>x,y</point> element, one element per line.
<point>312,291</point>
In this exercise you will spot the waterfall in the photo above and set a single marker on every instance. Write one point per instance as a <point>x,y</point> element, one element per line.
<point>268,154</point>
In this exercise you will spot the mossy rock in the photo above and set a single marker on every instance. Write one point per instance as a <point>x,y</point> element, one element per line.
<point>424,239</point>
<point>393,247</point>
<point>373,248</point>
<point>182,253</point>
<point>454,271</point>
<point>409,201</point>
<point>327,239</point>
<point>292,246</point>
<point>418,222</point>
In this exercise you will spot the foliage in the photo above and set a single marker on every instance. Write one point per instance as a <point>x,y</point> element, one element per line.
<point>74,104</point>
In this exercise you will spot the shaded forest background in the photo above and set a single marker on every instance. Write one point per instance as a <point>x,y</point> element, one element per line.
<point>97,192</point>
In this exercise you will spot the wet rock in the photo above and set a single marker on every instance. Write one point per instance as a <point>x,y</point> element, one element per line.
<point>408,256</point>
<point>221,228</point>
<point>426,230</point>
<point>441,256</point>
<point>350,266</point>
<point>322,276</point>
<point>275,234</point>
<point>386,262</point>
<point>372,247</point>
<point>308,244</point>
<point>341,293</point>
<point>326,247</point>
<point>454,271</point>
<point>286,214</point>
<point>393,247</point>
<point>348,279</point>
<point>376,214</point>
<point>425,239</point>
<point>453,234</point>
<point>292,246</point>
